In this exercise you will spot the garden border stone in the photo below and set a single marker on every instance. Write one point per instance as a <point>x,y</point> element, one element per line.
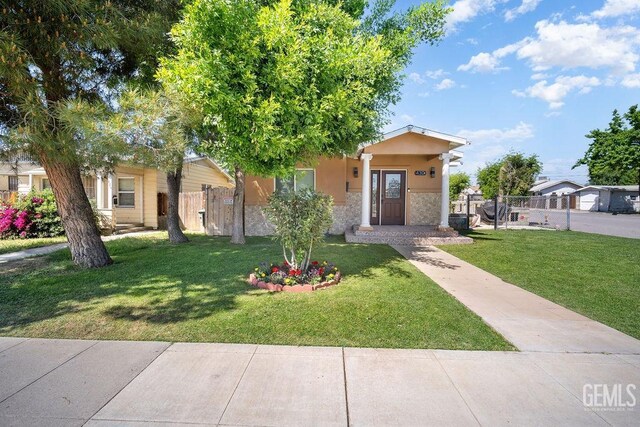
<point>273,287</point>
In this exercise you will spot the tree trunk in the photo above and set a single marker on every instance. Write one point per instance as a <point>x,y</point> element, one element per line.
<point>237,232</point>
<point>173,218</point>
<point>87,248</point>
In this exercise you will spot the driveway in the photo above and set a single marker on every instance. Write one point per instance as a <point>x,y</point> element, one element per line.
<point>622,225</point>
<point>109,383</point>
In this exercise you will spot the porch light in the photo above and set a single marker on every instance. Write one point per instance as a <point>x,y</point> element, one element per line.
<point>355,171</point>
<point>432,172</point>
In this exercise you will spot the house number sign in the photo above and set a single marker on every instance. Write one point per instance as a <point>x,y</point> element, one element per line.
<point>420,173</point>
<point>227,201</point>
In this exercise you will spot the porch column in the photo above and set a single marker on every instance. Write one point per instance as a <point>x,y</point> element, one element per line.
<point>30,181</point>
<point>444,206</point>
<point>366,191</point>
<point>99,192</point>
<point>110,191</point>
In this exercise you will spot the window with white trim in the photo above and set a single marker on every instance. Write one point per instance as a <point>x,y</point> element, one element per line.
<point>45,183</point>
<point>302,179</point>
<point>126,192</point>
<point>13,183</point>
<point>89,184</point>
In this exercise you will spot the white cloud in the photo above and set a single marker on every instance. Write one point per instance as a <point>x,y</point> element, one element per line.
<point>539,76</point>
<point>435,74</point>
<point>614,8</point>
<point>416,78</point>
<point>631,81</point>
<point>555,92</point>
<point>445,84</point>
<point>525,7</point>
<point>466,10</point>
<point>472,41</point>
<point>482,63</point>
<point>568,46</point>
<point>520,132</point>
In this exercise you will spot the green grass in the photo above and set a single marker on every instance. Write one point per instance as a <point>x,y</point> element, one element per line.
<point>597,276</point>
<point>14,245</point>
<point>197,292</point>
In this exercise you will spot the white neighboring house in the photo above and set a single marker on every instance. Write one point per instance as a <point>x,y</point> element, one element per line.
<point>554,187</point>
<point>609,198</point>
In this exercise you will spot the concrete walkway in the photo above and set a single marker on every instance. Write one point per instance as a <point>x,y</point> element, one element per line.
<point>72,382</point>
<point>44,250</point>
<point>530,322</point>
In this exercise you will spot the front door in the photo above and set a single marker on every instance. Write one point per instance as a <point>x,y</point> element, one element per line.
<point>392,197</point>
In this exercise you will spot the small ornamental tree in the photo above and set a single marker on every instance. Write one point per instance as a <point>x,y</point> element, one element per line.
<point>301,219</point>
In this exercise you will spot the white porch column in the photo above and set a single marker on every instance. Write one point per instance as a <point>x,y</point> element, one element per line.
<point>366,191</point>
<point>30,181</point>
<point>110,191</point>
<point>444,206</point>
<point>99,192</point>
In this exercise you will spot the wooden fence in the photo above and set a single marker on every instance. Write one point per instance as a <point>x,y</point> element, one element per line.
<point>8,196</point>
<point>208,211</point>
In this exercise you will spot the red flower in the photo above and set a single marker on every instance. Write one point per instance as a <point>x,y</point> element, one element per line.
<point>321,271</point>
<point>314,263</point>
<point>274,269</point>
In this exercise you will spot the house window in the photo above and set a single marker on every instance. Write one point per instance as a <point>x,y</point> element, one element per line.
<point>126,192</point>
<point>89,184</point>
<point>13,183</point>
<point>302,179</point>
<point>45,183</point>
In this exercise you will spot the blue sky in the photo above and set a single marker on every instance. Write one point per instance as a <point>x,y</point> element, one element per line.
<point>527,75</point>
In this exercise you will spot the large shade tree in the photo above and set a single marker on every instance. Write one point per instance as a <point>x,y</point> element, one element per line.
<point>613,157</point>
<point>283,82</point>
<point>54,54</point>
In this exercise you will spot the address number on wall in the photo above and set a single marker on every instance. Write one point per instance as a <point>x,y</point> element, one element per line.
<point>420,173</point>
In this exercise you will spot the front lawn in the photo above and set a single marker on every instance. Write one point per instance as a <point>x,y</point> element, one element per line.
<point>597,276</point>
<point>13,245</point>
<point>197,292</point>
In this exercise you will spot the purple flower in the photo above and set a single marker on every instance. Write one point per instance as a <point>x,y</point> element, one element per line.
<point>6,218</point>
<point>22,221</point>
<point>37,201</point>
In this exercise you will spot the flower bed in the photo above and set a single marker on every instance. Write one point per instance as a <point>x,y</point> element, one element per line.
<point>283,278</point>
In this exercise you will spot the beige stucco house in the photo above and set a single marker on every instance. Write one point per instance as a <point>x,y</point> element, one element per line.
<point>130,195</point>
<point>402,179</point>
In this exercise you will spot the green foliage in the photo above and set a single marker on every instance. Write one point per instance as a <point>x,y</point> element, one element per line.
<point>301,219</point>
<point>457,182</point>
<point>36,215</point>
<point>613,157</point>
<point>282,82</point>
<point>488,179</point>
<point>56,53</point>
<point>512,175</point>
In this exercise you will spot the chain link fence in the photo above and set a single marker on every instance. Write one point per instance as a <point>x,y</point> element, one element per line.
<point>535,211</point>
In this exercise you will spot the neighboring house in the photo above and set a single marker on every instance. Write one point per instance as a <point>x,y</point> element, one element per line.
<point>609,198</point>
<point>554,187</point>
<point>131,195</point>
<point>401,174</point>
<point>474,192</point>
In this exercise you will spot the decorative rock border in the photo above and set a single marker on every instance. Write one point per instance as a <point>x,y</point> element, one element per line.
<point>254,281</point>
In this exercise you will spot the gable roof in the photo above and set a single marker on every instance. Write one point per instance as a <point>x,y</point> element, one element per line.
<point>610,187</point>
<point>452,140</point>
<point>546,184</point>
<point>213,164</point>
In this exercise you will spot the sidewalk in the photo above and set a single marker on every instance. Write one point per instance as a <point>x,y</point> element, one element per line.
<point>528,321</point>
<point>72,382</point>
<point>44,250</point>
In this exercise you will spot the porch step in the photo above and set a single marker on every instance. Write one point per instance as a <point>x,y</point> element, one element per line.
<point>405,231</point>
<point>414,236</point>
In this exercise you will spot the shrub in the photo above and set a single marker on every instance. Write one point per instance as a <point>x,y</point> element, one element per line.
<point>301,219</point>
<point>32,215</point>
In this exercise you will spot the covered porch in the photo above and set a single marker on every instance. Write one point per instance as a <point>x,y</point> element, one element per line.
<point>404,184</point>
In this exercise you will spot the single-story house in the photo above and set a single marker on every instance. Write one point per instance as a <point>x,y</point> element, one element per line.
<point>549,187</point>
<point>130,195</point>
<point>609,198</point>
<point>401,179</point>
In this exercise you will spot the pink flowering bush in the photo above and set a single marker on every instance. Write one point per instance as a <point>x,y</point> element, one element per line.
<point>33,215</point>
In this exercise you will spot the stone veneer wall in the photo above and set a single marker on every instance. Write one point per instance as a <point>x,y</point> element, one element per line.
<point>424,208</point>
<point>344,216</point>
